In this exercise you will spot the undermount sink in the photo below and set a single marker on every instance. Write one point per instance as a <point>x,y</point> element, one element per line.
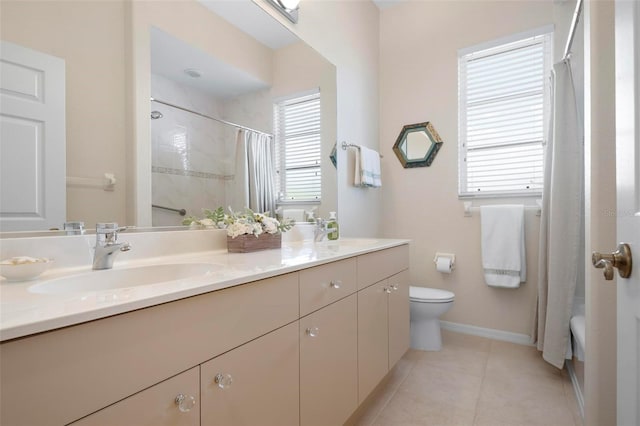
<point>111,279</point>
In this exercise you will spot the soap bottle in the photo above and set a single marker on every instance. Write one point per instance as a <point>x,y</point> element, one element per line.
<point>332,227</point>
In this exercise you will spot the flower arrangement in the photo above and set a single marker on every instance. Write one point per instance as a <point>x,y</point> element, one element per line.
<point>236,224</point>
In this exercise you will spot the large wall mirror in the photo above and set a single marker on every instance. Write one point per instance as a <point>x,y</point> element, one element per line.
<point>200,60</point>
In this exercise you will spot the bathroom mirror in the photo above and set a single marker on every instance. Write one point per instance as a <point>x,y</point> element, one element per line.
<point>417,145</point>
<point>111,70</point>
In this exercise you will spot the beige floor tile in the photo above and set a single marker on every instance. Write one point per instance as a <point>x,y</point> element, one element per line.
<point>450,338</point>
<point>513,357</point>
<point>523,398</point>
<point>456,358</point>
<point>381,396</point>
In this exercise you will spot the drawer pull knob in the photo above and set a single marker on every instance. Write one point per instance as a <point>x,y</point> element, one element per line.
<point>387,290</point>
<point>394,287</point>
<point>335,283</point>
<point>223,381</point>
<point>185,402</point>
<point>312,331</point>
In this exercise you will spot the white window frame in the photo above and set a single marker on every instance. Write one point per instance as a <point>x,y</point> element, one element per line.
<point>542,35</point>
<point>280,139</point>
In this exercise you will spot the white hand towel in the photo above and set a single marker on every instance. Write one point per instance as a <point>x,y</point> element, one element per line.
<point>367,168</point>
<point>503,250</point>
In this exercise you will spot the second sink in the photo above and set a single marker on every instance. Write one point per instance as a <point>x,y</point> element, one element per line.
<point>111,279</point>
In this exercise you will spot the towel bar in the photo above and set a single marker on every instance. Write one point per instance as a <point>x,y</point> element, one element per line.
<point>346,145</point>
<point>469,208</point>
<point>181,212</point>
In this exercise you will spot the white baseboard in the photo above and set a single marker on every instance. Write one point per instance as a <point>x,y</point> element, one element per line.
<point>490,333</point>
<point>576,386</point>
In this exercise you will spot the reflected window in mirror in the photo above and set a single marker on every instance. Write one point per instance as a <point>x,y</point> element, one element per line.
<point>297,127</point>
<point>417,145</point>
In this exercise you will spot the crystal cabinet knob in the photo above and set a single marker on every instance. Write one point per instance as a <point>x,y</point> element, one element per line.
<point>223,381</point>
<point>335,284</point>
<point>394,287</point>
<point>313,331</point>
<point>387,290</point>
<point>185,402</point>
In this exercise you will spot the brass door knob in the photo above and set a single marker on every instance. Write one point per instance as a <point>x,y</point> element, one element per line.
<point>621,259</point>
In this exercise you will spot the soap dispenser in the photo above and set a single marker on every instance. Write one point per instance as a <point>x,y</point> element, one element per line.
<point>332,227</point>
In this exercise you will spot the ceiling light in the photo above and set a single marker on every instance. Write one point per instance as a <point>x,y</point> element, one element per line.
<point>288,8</point>
<point>192,72</point>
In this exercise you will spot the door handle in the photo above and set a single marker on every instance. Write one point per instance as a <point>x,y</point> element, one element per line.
<point>621,259</point>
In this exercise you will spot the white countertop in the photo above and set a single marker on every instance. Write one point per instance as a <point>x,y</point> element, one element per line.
<point>24,312</point>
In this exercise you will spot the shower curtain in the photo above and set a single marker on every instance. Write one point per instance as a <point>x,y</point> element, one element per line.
<point>255,172</point>
<point>561,252</point>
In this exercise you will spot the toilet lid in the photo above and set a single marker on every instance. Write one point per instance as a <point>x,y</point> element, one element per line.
<point>424,294</point>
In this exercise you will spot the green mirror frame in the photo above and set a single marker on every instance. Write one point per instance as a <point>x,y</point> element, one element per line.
<point>417,145</point>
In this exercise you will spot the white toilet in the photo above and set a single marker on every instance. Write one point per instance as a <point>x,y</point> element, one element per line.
<point>427,304</point>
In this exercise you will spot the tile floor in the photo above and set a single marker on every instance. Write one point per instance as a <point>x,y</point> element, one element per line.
<point>474,381</point>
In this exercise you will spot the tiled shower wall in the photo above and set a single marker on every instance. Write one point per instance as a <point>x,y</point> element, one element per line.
<point>189,162</point>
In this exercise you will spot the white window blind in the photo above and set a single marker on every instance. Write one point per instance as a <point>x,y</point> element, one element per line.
<point>297,133</point>
<point>503,104</point>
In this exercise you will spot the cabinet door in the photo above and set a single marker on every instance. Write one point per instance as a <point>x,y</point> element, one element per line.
<point>254,384</point>
<point>155,406</point>
<point>398,317</point>
<point>373,337</point>
<point>329,364</point>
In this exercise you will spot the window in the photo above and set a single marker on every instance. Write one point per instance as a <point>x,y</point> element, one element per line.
<point>297,134</point>
<point>503,102</point>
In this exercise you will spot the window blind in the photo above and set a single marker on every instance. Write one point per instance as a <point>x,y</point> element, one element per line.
<point>503,104</point>
<point>298,141</point>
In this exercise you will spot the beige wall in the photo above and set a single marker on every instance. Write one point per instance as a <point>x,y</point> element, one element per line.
<point>600,167</point>
<point>418,82</point>
<point>346,33</point>
<point>89,36</point>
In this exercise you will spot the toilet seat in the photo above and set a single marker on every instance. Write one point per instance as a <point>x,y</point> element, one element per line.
<point>430,295</point>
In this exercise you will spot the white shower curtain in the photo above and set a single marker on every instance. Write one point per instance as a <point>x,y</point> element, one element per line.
<point>255,185</point>
<point>561,253</point>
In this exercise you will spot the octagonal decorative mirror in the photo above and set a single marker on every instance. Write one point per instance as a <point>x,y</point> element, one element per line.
<point>417,145</point>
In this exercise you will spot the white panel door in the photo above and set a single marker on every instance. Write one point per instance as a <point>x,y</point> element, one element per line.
<point>627,28</point>
<point>32,139</point>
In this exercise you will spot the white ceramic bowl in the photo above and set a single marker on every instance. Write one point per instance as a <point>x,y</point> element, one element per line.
<point>24,268</point>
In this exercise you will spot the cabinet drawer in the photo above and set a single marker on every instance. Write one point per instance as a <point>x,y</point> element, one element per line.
<point>377,266</point>
<point>264,387</point>
<point>155,406</point>
<point>322,285</point>
<point>94,364</point>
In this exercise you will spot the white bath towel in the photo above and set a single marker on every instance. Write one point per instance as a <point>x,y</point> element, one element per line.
<point>503,250</point>
<point>367,168</point>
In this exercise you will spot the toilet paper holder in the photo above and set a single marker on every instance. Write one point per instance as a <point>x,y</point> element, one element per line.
<point>450,256</point>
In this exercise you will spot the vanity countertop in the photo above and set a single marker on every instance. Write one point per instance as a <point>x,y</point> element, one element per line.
<point>24,311</point>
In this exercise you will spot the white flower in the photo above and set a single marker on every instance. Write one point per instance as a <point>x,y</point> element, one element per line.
<point>270,225</point>
<point>208,223</point>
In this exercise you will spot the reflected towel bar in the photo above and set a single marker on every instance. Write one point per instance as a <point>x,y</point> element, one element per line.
<point>181,212</point>
<point>346,145</point>
<point>468,208</point>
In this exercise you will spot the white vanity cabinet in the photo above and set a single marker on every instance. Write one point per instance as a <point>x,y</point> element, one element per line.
<point>301,348</point>
<point>173,402</point>
<point>255,384</point>
<point>329,364</point>
<point>383,315</point>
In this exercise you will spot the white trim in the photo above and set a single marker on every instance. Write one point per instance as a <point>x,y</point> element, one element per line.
<point>490,333</point>
<point>508,39</point>
<point>576,387</point>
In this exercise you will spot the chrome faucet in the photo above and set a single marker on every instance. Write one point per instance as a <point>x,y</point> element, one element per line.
<point>107,245</point>
<point>320,230</point>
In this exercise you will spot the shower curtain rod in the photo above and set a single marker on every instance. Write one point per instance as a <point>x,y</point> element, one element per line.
<point>572,30</point>
<point>219,120</point>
